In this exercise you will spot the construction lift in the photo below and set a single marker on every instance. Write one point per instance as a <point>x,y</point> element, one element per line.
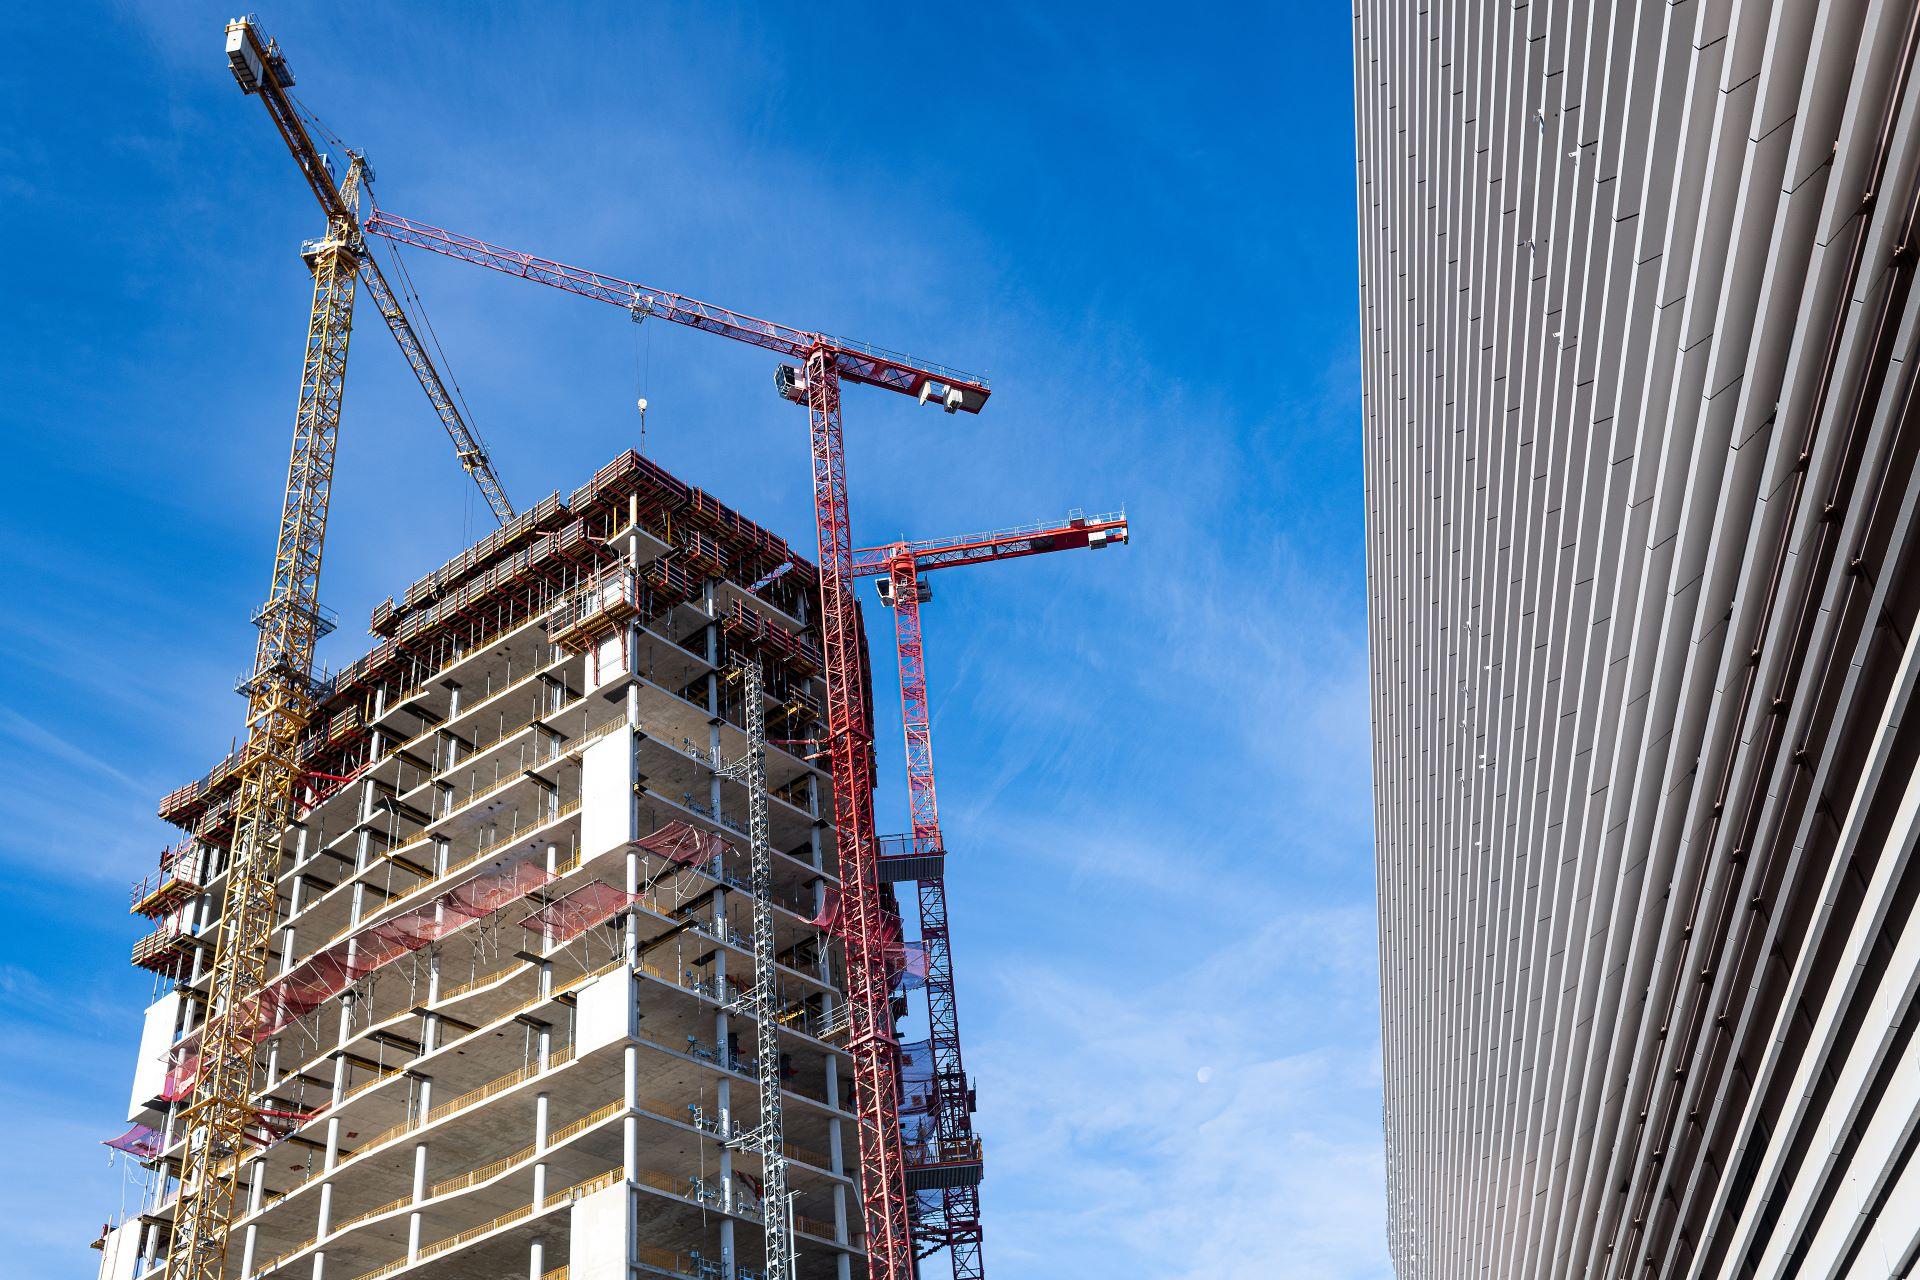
<point>822,363</point>
<point>280,690</point>
<point>950,1161</point>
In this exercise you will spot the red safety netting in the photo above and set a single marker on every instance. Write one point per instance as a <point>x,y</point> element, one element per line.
<point>683,843</point>
<point>140,1141</point>
<point>331,971</point>
<point>829,917</point>
<point>181,1072</point>
<point>565,919</point>
<point>906,961</point>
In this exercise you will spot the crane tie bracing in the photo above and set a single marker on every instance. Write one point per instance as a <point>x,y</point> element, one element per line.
<point>823,363</point>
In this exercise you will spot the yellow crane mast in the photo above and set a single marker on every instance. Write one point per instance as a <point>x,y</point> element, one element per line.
<point>280,691</point>
<point>279,705</point>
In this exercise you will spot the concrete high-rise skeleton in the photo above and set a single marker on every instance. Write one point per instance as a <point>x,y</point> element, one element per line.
<point>1639,333</point>
<point>511,1027</point>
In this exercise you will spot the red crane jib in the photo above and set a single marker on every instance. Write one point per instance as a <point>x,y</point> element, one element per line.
<point>1070,534</point>
<point>853,360</point>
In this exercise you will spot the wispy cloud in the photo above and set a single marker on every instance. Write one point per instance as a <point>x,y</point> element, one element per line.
<point>38,737</point>
<point>1218,1120</point>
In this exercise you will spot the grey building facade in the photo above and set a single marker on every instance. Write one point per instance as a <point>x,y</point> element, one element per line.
<point>1640,340</point>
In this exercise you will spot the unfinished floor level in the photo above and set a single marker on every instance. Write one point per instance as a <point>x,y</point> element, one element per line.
<point>509,1032</point>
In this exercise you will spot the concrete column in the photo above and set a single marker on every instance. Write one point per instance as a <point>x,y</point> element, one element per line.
<point>541,1135</point>
<point>631,1126</point>
<point>256,1187</point>
<point>724,1102</point>
<point>723,1096</point>
<point>836,1154</point>
<point>537,1256</point>
<point>296,902</point>
<point>425,1104</point>
<point>631,934</point>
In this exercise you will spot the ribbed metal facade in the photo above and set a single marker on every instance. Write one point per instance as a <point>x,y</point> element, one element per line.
<point>1639,335</point>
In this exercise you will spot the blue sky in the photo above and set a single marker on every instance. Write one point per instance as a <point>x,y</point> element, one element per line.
<point>1153,762</point>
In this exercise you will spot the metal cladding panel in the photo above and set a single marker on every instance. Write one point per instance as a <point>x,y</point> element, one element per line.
<point>1639,335</point>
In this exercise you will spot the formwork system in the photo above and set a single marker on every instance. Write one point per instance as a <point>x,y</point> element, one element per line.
<point>509,1022</point>
<point>1642,428</point>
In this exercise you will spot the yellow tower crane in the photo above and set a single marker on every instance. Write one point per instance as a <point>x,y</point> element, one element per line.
<point>280,691</point>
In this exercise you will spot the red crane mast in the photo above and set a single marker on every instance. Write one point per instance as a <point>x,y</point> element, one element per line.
<point>948,1159</point>
<point>825,362</point>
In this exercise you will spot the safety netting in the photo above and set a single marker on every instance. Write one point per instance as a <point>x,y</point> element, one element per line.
<point>141,1142</point>
<point>330,971</point>
<point>906,961</point>
<point>917,1123</point>
<point>683,843</point>
<point>565,919</point>
<point>907,964</point>
<point>333,969</point>
<point>829,917</point>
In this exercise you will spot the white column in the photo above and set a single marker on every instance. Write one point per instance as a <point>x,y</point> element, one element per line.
<point>631,1126</point>
<point>257,1185</point>
<point>419,1170</point>
<point>541,1136</point>
<point>837,1154</point>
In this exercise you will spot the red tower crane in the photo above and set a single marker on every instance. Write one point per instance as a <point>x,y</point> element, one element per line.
<point>948,1159</point>
<point>824,362</point>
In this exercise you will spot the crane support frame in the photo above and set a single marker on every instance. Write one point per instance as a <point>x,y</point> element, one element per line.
<point>953,1138</point>
<point>279,707</point>
<point>870,1038</point>
<point>950,1164</point>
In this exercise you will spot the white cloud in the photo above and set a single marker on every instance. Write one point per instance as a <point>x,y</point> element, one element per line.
<point>1108,1150</point>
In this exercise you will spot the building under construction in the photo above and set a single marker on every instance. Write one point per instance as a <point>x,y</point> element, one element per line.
<point>504,1032</point>
<point>553,936</point>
